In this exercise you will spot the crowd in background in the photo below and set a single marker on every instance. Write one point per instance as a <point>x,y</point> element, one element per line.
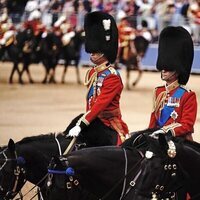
<point>157,13</point>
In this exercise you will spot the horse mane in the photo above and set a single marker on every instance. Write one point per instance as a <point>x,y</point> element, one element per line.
<point>50,137</point>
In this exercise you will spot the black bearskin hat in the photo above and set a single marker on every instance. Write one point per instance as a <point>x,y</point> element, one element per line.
<point>101,34</point>
<point>176,52</point>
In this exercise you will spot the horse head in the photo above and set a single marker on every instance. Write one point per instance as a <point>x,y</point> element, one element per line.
<point>188,163</point>
<point>158,177</point>
<point>63,178</point>
<point>12,172</point>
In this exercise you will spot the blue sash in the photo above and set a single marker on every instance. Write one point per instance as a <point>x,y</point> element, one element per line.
<point>167,110</point>
<point>101,76</point>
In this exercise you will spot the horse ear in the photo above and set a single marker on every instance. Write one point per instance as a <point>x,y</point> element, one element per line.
<point>162,141</point>
<point>11,145</point>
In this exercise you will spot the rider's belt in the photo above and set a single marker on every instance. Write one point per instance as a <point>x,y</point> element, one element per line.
<point>110,114</point>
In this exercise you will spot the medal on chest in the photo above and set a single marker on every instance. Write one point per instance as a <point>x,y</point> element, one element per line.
<point>173,102</point>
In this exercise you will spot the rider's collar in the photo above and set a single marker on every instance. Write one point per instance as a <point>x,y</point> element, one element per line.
<point>102,67</point>
<point>172,86</point>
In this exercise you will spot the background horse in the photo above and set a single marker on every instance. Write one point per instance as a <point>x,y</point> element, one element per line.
<point>50,46</point>
<point>71,52</point>
<point>131,56</point>
<point>108,173</point>
<point>19,50</point>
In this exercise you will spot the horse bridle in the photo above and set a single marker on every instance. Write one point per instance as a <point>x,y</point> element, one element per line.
<point>17,172</point>
<point>170,168</point>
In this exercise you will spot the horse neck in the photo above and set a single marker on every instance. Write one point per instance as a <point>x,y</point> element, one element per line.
<point>99,169</point>
<point>37,155</point>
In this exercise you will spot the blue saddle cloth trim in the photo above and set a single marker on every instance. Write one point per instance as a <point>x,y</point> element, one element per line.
<point>167,110</point>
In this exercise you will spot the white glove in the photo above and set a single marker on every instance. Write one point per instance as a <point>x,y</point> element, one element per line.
<point>74,132</point>
<point>156,133</point>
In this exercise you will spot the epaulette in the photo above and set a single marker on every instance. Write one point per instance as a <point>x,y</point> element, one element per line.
<point>112,70</point>
<point>185,88</point>
<point>161,86</point>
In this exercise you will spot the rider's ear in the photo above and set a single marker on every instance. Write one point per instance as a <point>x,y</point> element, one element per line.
<point>11,145</point>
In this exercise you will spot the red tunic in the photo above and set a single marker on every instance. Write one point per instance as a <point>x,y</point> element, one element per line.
<point>182,122</point>
<point>104,91</point>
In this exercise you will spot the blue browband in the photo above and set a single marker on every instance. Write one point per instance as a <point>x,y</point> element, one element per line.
<point>167,110</point>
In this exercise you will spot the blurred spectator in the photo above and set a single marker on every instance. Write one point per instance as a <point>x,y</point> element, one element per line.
<point>46,15</point>
<point>146,13</point>
<point>194,16</point>
<point>55,9</point>
<point>157,13</point>
<point>3,7</point>
<point>16,9</point>
<point>30,7</point>
<point>131,9</point>
<point>184,11</point>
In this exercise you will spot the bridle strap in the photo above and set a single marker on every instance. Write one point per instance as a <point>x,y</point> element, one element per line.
<point>125,172</point>
<point>17,172</point>
<point>122,178</point>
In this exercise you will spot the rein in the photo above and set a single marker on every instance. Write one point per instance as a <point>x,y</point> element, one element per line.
<point>123,178</point>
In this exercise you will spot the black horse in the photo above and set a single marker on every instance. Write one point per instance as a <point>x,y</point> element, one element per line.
<point>188,162</point>
<point>28,159</point>
<point>26,42</point>
<point>112,173</point>
<point>71,53</point>
<point>49,46</point>
<point>19,50</point>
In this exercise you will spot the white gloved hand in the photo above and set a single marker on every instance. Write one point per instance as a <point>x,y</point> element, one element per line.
<point>74,132</point>
<point>156,133</point>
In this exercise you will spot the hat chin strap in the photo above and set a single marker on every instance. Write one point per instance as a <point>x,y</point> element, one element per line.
<point>98,60</point>
<point>168,77</point>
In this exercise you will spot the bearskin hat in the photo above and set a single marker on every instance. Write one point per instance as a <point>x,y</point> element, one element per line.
<point>176,52</point>
<point>101,34</point>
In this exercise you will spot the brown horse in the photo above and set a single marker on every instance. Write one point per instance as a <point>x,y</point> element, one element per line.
<point>131,56</point>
